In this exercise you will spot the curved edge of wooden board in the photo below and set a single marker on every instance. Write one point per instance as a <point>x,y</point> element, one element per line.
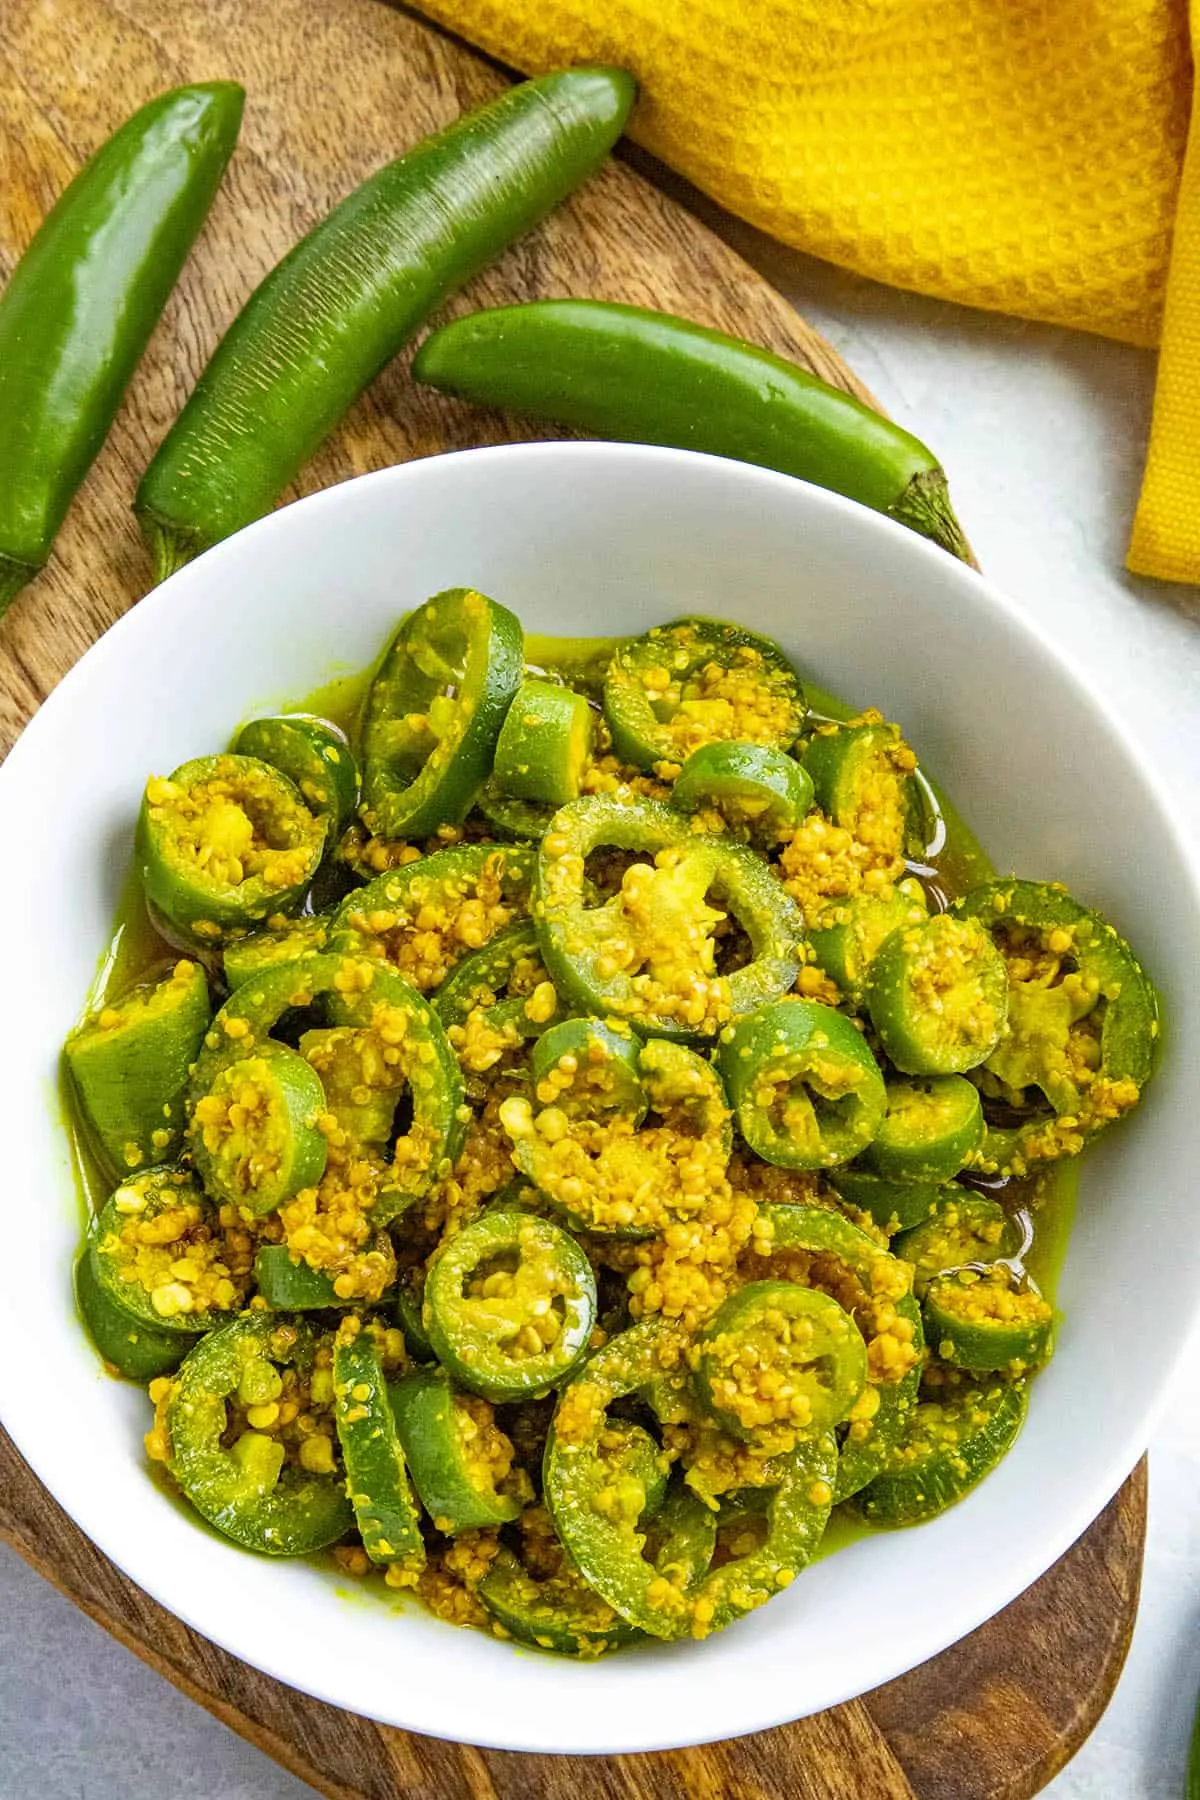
<point>992,1718</point>
<point>1011,1722</point>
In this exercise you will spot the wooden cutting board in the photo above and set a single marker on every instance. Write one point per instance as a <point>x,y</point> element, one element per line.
<point>335,88</point>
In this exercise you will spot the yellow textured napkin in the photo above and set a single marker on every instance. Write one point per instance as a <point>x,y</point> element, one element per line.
<point>1021,155</point>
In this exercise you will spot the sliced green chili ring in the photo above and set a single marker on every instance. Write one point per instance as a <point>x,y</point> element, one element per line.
<point>485,1340</point>
<point>932,1129</point>
<point>608,1550</point>
<point>946,1450</point>
<point>822,1231</point>
<point>135,1350</point>
<point>123,1264</point>
<point>988,1321</point>
<point>806,1091</point>
<point>361,1091</point>
<point>868,1441</point>
<point>544,743</point>
<point>427,1063</point>
<point>289,1286</point>
<point>354,989</point>
<point>966,1228</point>
<point>483,978</point>
<point>753,786</point>
<point>882,1276</point>
<point>938,996</point>
<point>862,780</point>
<point>521,820</point>
<point>385,1510</point>
<point>599,957</point>
<point>699,681</point>
<point>434,711</point>
<point>129,1063</point>
<point>254,1133</point>
<point>848,933</point>
<point>247,1490</point>
<point>379,920</point>
<point>587,1066</point>
<point>224,843</point>
<point>559,1613</point>
<point>314,754</point>
<point>894,1205</point>
<point>1069,971</point>
<point>781,1328</point>
<point>262,950</point>
<point>438,1432</point>
<point>591,1161</point>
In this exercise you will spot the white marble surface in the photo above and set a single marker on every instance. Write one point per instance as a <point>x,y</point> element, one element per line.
<point>1043,434</point>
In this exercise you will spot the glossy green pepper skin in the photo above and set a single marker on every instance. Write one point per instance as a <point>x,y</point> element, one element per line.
<point>134,1349</point>
<point>436,1431</point>
<point>946,1449</point>
<point>250,1494</point>
<point>932,1129</point>
<point>862,776</point>
<point>965,1228</point>
<point>823,1232</point>
<point>435,710</point>
<point>352,989</point>
<point>379,920</point>
<point>868,1442</point>
<point>82,302</point>
<point>759,791</point>
<point>377,1478</point>
<point>848,933</point>
<point>589,1066</point>
<point>485,978</point>
<point>224,843</point>
<point>648,958</point>
<point>292,1287</point>
<point>129,1066</point>
<point>647,377</point>
<point>953,960</point>
<point>262,950</point>
<point>825,1358</point>
<point>778,1061</point>
<point>605,1543</point>
<point>258,1165</point>
<point>699,681</point>
<point>1082,1023</point>
<point>112,1245</point>
<point>894,1205</point>
<point>585,1150</point>
<point>559,1613</point>
<point>988,1321</point>
<point>349,296</point>
<point>544,744</point>
<point>483,1340</point>
<point>313,754</point>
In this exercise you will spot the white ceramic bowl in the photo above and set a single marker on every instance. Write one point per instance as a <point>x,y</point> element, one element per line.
<point>598,538</point>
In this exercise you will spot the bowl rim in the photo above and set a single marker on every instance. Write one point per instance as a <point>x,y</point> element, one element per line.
<point>1023,1566</point>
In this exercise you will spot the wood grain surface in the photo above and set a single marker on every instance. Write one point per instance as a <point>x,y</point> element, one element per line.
<point>335,87</point>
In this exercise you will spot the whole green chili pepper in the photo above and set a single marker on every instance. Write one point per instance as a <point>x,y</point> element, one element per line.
<point>83,300</point>
<point>351,294</point>
<point>650,378</point>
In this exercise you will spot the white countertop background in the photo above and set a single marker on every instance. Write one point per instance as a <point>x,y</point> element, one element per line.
<point>1043,433</point>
